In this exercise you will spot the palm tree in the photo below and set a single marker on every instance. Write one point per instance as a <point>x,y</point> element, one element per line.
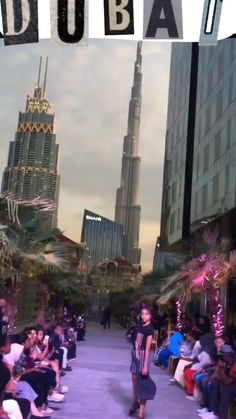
<point>204,273</point>
<point>22,247</point>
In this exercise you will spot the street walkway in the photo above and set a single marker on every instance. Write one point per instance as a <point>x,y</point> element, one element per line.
<point>100,383</point>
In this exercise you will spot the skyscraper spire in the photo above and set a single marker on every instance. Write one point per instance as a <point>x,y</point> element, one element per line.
<point>39,75</point>
<point>45,77</point>
<point>128,210</point>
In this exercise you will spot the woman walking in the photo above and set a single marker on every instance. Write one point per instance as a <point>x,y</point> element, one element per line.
<point>141,357</point>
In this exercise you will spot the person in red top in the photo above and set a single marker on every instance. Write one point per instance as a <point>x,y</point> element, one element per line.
<point>222,385</point>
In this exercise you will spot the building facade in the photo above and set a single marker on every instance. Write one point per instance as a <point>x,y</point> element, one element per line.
<point>128,210</point>
<point>32,167</point>
<point>205,151</point>
<point>214,169</point>
<point>103,239</point>
<point>200,168</point>
<point>176,200</point>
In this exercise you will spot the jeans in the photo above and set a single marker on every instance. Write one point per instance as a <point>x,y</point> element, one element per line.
<point>202,381</point>
<point>221,396</point>
<point>164,357</point>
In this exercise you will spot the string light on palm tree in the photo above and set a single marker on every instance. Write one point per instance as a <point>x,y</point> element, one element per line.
<point>179,314</point>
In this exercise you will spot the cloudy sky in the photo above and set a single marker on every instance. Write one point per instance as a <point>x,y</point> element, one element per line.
<point>90,89</point>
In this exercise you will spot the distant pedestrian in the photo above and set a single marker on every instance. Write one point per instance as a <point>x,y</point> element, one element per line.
<point>106,318</point>
<point>141,357</point>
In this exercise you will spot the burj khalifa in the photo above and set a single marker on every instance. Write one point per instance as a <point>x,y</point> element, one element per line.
<point>128,209</point>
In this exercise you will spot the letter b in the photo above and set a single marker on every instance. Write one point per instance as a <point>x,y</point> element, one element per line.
<point>119,17</point>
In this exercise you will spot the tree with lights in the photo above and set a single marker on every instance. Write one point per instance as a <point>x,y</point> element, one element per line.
<point>203,274</point>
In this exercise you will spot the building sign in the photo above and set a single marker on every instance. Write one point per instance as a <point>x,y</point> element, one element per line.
<point>89,217</point>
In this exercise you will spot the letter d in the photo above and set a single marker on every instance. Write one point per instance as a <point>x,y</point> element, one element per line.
<point>20,21</point>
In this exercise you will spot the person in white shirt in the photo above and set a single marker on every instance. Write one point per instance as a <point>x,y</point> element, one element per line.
<point>192,338</point>
<point>205,359</point>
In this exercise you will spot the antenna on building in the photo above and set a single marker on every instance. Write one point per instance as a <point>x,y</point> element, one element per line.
<point>45,77</point>
<point>40,67</point>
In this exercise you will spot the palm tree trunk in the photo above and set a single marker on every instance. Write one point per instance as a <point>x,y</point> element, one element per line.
<point>43,305</point>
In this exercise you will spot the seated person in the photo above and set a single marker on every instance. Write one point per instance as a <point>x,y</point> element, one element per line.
<point>222,385</point>
<point>204,360</point>
<point>202,378</point>
<point>23,370</point>
<point>56,343</point>
<point>40,352</point>
<point>9,409</point>
<point>192,338</point>
<point>172,346</point>
<point>69,341</point>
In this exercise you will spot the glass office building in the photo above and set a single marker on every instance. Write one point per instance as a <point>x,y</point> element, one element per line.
<point>174,185</point>
<point>200,159</point>
<point>103,238</point>
<point>214,174</point>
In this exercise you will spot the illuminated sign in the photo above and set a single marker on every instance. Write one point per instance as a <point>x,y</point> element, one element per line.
<point>89,217</point>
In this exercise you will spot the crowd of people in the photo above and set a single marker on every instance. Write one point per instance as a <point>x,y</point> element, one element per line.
<point>32,365</point>
<point>203,364</point>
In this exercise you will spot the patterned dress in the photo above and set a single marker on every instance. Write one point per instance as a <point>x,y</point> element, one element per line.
<point>139,347</point>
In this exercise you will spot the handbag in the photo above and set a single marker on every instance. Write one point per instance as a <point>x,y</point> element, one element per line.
<point>146,388</point>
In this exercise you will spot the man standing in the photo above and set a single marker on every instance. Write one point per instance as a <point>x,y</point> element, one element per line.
<point>106,318</point>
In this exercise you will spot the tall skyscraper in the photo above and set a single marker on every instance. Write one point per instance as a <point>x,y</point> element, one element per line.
<point>128,210</point>
<point>33,156</point>
<point>200,163</point>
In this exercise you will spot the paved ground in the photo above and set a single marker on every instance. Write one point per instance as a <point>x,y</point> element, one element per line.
<point>100,383</point>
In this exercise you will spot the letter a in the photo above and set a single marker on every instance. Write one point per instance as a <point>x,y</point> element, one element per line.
<point>119,17</point>
<point>20,21</point>
<point>163,19</point>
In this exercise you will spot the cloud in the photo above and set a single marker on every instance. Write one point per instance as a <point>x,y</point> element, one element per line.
<point>90,88</point>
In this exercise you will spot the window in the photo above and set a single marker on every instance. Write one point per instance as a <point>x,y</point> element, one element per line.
<point>178,217</point>
<point>172,223</point>
<point>198,166</point>
<point>174,195</point>
<point>228,135</point>
<point>196,204</point>
<point>217,150</point>
<point>204,197</point>
<point>231,90</point>
<point>227,179</point>
<point>231,49</point>
<point>220,65</point>
<point>206,158</point>
<point>215,188</point>
<point>208,119</point>
<point>219,104</point>
<point>209,81</point>
<point>176,162</point>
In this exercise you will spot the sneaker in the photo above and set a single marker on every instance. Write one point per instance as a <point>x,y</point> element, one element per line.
<point>62,389</point>
<point>173,381</point>
<point>68,368</point>
<point>191,398</point>
<point>47,410</point>
<point>203,410</point>
<point>56,397</point>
